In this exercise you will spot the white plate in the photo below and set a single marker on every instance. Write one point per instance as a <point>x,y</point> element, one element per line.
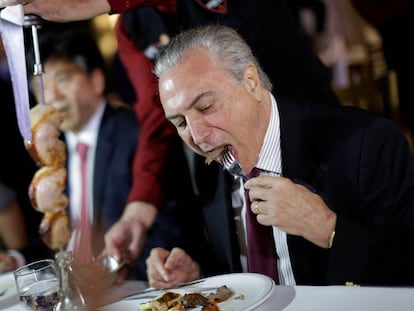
<point>251,290</point>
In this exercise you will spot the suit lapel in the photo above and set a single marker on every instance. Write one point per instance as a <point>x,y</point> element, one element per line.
<point>296,160</point>
<point>105,147</point>
<point>215,197</point>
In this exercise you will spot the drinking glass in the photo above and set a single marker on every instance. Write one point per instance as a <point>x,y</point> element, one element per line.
<point>38,285</point>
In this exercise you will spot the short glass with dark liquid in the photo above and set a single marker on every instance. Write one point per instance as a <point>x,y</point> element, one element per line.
<point>38,285</point>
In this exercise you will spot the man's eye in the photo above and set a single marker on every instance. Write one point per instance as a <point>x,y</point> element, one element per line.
<point>178,122</point>
<point>62,79</point>
<point>205,108</point>
<point>181,124</point>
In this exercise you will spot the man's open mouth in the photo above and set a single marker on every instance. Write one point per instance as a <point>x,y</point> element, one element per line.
<point>215,154</point>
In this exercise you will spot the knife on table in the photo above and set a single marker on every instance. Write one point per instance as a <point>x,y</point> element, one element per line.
<point>153,292</point>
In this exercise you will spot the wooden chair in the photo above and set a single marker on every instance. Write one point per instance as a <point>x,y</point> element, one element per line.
<point>363,89</point>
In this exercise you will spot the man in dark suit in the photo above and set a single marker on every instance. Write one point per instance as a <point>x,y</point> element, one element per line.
<point>282,48</point>
<point>342,209</point>
<point>75,84</point>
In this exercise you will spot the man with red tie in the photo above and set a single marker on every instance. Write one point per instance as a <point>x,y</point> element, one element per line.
<point>101,139</point>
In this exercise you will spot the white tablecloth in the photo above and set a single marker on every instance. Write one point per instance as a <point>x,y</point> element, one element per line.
<point>296,298</point>
<point>9,300</point>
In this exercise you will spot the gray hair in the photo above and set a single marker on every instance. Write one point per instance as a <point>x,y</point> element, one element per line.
<point>224,45</point>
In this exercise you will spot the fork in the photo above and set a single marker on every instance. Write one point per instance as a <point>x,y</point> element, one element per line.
<point>153,292</point>
<point>231,164</point>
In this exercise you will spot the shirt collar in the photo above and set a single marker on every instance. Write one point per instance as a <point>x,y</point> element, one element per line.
<point>89,132</point>
<point>269,156</point>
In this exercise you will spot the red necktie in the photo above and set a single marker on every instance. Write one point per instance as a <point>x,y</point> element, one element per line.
<point>261,252</point>
<point>82,250</point>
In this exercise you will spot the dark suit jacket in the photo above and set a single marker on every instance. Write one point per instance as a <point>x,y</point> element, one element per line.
<point>116,144</point>
<point>363,169</point>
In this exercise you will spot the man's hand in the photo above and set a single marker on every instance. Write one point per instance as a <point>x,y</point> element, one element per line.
<point>126,238</point>
<point>4,3</point>
<point>62,10</point>
<point>166,269</point>
<point>291,207</point>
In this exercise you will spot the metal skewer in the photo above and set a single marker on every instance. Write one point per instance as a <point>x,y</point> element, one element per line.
<point>34,22</point>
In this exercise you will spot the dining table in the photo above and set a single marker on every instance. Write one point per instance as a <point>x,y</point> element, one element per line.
<point>273,298</point>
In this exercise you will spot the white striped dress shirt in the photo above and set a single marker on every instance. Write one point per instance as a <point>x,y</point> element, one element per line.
<point>270,162</point>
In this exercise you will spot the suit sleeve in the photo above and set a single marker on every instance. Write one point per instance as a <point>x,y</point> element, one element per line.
<point>377,247</point>
<point>120,6</point>
<point>156,134</point>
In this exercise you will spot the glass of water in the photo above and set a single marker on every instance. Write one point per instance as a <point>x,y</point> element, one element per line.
<point>38,285</point>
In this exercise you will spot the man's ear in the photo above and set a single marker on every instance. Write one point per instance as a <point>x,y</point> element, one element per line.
<point>99,81</point>
<point>251,79</point>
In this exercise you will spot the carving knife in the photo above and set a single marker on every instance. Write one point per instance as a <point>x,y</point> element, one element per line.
<point>11,27</point>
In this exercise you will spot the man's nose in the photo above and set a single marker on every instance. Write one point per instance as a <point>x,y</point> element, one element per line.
<point>198,131</point>
<point>52,93</point>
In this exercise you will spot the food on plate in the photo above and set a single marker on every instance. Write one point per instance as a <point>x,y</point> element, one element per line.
<point>167,301</point>
<point>45,148</point>
<point>46,189</point>
<point>193,300</point>
<point>211,306</point>
<point>170,301</point>
<point>222,294</point>
<point>48,183</point>
<point>54,229</point>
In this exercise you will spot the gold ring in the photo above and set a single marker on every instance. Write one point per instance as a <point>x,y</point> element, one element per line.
<point>256,208</point>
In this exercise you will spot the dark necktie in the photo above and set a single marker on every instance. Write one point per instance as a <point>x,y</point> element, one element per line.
<point>82,250</point>
<point>261,252</point>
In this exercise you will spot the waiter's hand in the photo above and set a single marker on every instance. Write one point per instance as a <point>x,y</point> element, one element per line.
<point>4,3</point>
<point>291,207</point>
<point>124,241</point>
<point>62,10</point>
<point>166,269</point>
<point>126,238</point>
